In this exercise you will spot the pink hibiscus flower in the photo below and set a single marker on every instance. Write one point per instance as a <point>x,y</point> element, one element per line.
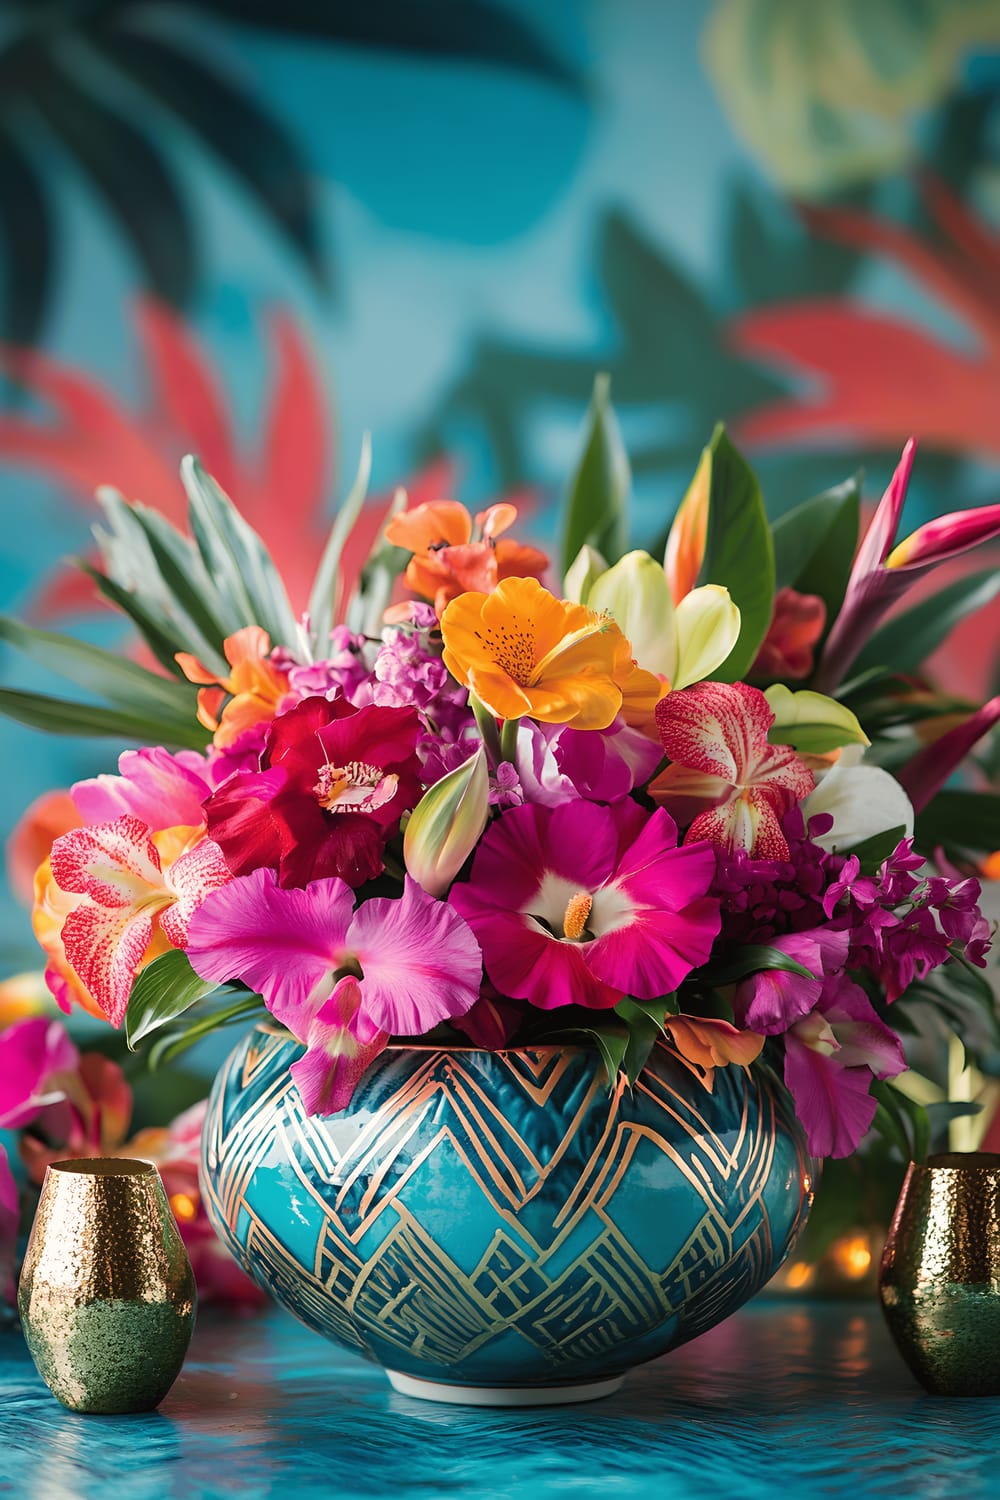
<point>724,774</point>
<point>831,1056</point>
<point>583,904</point>
<point>335,782</point>
<point>342,981</point>
<point>133,886</point>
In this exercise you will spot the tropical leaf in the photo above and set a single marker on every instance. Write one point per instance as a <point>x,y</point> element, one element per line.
<point>910,638</point>
<point>644,1019</point>
<point>230,122</point>
<point>60,716</point>
<point>753,958</point>
<point>175,1042</point>
<point>379,574</point>
<point>128,172</point>
<point>236,559</point>
<point>811,722</point>
<point>325,588</point>
<point>26,230</point>
<point>814,544</point>
<point>163,990</point>
<point>598,491</point>
<point>960,821</point>
<point>187,586</point>
<point>738,551</point>
<point>154,630</point>
<point>105,673</point>
<point>873,852</point>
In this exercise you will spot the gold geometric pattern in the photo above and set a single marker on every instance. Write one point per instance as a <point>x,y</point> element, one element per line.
<point>501,1216</point>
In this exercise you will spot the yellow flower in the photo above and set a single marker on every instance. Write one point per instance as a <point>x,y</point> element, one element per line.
<point>526,654</point>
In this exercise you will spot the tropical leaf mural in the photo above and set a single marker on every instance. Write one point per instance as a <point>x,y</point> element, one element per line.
<point>93,82</point>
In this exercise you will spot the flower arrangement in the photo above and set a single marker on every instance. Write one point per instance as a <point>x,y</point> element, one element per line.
<point>696,801</point>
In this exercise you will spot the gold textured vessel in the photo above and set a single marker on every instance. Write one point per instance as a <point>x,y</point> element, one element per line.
<point>940,1274</point>
<point>107,1295</point>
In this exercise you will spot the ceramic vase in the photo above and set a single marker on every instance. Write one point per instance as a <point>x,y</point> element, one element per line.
<point>499,1227</point>
<point>940,1274</point>
<point>107,1295</point>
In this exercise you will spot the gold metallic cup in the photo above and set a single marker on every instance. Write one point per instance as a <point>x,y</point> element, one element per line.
<point>940,1274</point>
<point>107,1295</point>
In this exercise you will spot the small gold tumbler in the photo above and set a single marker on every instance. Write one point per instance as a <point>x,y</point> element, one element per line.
<point>940,1274</point>
<point>107,1295</point>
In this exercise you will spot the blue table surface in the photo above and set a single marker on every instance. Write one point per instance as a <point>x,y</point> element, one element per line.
<point>811,1399</point>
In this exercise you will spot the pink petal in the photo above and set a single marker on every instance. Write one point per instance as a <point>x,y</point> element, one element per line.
<point>881,533</point>
<point>865,1040</point>
<point>116,864</point>
<point>649,957</point>
<point>335,1060</point>
<point>718,728</point>
<point>420,961</point>
<point>160,789</point>
<point>191,878</point>
<point>280,943</point>
<point>526,963</point>
<point>31,1052</point>
<point>833,1102</point>
<point>105,946</point>
<point>746,821</point>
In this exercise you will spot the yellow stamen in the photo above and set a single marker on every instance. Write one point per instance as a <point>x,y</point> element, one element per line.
<point>577,912</point>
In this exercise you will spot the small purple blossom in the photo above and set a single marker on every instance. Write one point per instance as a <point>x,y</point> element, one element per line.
<point>505,786</point>
<point>557,764</point>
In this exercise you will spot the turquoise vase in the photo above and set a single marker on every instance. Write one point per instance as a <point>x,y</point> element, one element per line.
<point>496,1227</point>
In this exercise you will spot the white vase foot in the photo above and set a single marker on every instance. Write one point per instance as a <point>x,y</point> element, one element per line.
<point>503,1395</point>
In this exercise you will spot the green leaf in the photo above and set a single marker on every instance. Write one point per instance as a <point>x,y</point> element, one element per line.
<point>378,576</point>
<point>873,851</point>
<point>598,492</point>
<point>960,820</point>
<point>162,991</point>
<point>185,588</point>
<point>111,676</point>
<point>753,958</point>
<point>154,630</point>
<point>236,559</point>
<point>811,722</point>
<point>644,1019</point>
<point>738,551</point>
<point>324,589</point>
<point>905,643</point>
<point>169,1047</point>
<point>60,716</point>
<point>814,544</point>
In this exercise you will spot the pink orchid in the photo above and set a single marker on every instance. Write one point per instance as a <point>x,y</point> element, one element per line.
<point>134,886</point>
<point>9,1217</point>
<point>882,573</point>
<point>342,981</point>
<point>582,904</point>
<point>831,1056</point>
<point>160,789</point>
<point>724,773</point>
<point>556,763</point>
<point>770,1001</point>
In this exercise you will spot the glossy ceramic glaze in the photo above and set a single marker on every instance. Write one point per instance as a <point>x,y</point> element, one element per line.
<point>487,1219</point>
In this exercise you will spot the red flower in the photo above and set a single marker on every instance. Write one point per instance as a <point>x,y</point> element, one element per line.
<point>334,783</point>
<point>796,625</point>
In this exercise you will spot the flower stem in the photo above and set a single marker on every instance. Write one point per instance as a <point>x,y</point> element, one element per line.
<point>487,726</point>
<point>508,739</point>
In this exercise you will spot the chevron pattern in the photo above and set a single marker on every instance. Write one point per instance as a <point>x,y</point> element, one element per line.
<point>500,1218</point>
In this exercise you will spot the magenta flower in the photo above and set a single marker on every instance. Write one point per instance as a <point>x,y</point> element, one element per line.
<point>8,1230</point>
<point>36,1057</point>
<point>924,776</point>
<point>335,783</point>
<point>724,774</point>
<point>771,1001</point>
<point>556,763</point>
<point>831,1056</point>
<point>583,904</point>
<point>342,981</point>
<point>882,572</point>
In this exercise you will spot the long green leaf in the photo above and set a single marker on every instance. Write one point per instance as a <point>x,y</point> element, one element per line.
<point>905,643</point>
<point>154,631</point>
<point>187,588</point>
<point>598,492</point>
<point>738,551</point>
<point>169,1047</point>
<point>324,589</point>
<point>960,820</point>
<point>236,558</point>
<point>164,990</point>
<point>114,677</point>
<point>814,544</point>
<point>60,716</point>
<point>752,959</point>
<point>383,566</point>
<point>873,851</point>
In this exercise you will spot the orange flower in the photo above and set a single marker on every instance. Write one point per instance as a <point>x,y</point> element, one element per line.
<point>709,1044</point>
<point>255,687</point>
<point>34,834</point>
<point>446,561</point>
<point>689,533</point>
<point>525,653</point>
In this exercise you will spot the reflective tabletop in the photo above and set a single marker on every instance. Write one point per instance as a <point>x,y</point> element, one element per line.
<point>806,1398</point>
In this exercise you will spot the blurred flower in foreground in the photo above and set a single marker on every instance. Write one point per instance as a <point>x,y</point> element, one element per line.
<point>8,1229</point>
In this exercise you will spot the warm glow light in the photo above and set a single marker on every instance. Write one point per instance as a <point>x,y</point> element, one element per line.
<point>852,1256</point>
<point>807,1183</point>
<point>798,1275</point>
<point>185,1207</point>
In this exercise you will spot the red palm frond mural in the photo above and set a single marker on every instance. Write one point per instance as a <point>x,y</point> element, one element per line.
<point>89,437</point>
<point>877,377</point>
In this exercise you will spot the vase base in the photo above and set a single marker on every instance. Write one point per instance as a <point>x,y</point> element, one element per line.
<point>503,1395</point>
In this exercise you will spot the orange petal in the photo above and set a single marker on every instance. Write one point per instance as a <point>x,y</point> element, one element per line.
<point>50,815</point>
<point>495,519</point>
<point>689,532</point>
<point>193,669</point>
<point>429,525</point>
<point>249,644</point>
<point>711,1043</point>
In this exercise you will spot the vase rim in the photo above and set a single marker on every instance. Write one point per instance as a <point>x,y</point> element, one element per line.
<point>104,1166</point>
<point>963,1161</point>
<point>424,1044</point>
